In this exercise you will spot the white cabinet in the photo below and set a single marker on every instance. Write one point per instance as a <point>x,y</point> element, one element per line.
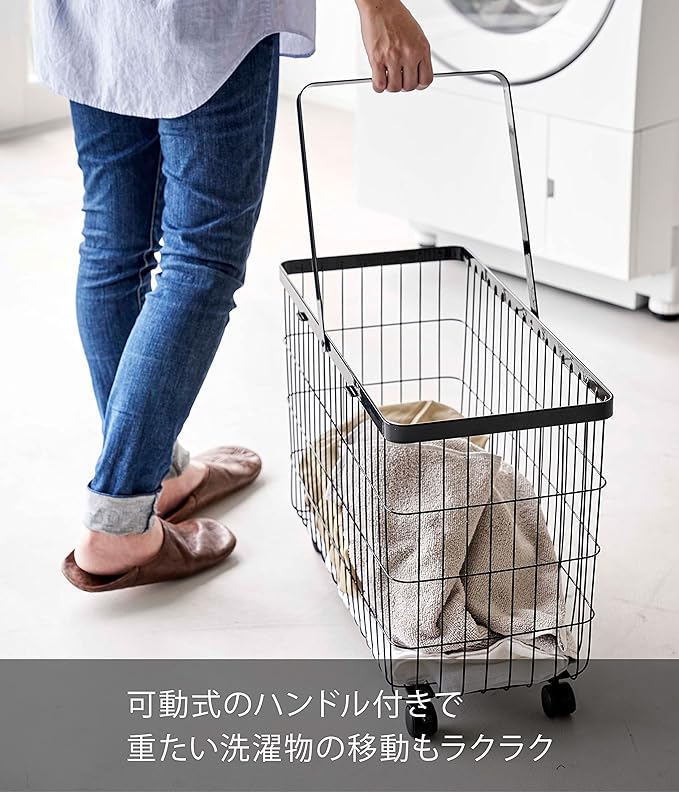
<point>422,159</point>
<point>589,218</point>
<point>656,207</point>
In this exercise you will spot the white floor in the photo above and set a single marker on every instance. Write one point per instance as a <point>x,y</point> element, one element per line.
<point>273,598</point>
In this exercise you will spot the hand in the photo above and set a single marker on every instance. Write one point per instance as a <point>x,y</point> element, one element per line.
<point>397,49</point>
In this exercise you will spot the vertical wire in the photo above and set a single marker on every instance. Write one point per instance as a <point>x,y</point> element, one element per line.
<point>362,330</point>
<point>316,406</point>
<point>353,456</point>
<point>381,334</point>
<point>540,471</point>
<point>305,428</point>
<point>491,509</point>
<point>302,391</point>
<point>385,512</point>
<point>400,329</point>
<point>537,555</point>
<point>294,403</point>
<point>590,554</point>
<point>419,558</point>
<point>554,486</point>
<point>502,369</point>
<point>381,527</point>
<point>465,385</point>
<point>562,479</point>
<point>490,346</point>
<point>466,580</point>
<point>484,344</point>
<point>288,382</point>
<point>444,516</point>
<point>419,334</point>
<point>369,524</point>
<point>477,338</point>
<point>596,536</point>
<point>327,384</point>
<point>439,328</point>
<point>342,317</point>
<point>333,520</point>
<point>581,552</point>
<point>548,404</point>
<point>291,327</point>
<point>419,475</point>
<point>338,523</point>
<point>515,336</point>
<point>381,520</point>
<point>516,442</point>
<point>494,355</point>
<point>527,381</point>
<point>520,371</point>
<point>572,486</point>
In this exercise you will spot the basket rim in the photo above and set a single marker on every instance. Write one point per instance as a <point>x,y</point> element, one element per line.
<point>598,410</point>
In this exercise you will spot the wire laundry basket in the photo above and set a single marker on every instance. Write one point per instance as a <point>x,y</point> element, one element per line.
<point>447,461</point>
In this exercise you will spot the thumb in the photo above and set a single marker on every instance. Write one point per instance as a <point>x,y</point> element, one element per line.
<point>379,76</point>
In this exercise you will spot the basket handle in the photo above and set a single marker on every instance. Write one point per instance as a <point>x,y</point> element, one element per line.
<point>516,163</point>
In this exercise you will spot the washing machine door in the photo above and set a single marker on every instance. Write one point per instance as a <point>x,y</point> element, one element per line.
<point>528,40</point>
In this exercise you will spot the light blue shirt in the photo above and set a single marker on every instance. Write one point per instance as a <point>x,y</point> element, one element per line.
<point>157,58</point>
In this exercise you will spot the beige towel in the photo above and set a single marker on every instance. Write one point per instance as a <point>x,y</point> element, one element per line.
<point>404,535</point>
<point>318,462</point>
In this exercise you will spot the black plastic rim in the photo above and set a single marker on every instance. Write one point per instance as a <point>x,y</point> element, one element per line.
<point>598,410</point>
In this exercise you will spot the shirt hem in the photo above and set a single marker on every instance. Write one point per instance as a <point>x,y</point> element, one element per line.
<point>156,113</point>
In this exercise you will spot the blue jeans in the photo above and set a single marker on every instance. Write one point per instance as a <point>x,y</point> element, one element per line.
<point>196,182</point>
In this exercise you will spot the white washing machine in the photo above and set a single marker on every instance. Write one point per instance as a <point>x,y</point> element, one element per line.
<point>596,92</point>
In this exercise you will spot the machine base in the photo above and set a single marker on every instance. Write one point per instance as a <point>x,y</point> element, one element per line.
<point>631,294</point>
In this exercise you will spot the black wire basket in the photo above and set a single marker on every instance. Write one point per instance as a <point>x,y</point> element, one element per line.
<point>447,461</point>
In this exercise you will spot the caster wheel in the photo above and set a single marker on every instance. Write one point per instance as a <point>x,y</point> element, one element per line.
<point>421,719</point>
<point>558,700</point>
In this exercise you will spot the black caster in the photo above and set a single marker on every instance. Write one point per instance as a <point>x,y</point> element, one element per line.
<point>421,719</point>
<point>558,699</point>
<point>665,317</point>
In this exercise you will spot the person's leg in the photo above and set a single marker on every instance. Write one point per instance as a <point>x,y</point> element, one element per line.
<point>120,159</point>
<point>215,161</point>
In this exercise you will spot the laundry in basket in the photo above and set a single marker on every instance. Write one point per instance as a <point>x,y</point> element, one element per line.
<point>452,547</point>
<point>318,462</point>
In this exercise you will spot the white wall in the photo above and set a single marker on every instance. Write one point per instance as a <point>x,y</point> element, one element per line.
<point>23,101</point>
<point>339,54</point>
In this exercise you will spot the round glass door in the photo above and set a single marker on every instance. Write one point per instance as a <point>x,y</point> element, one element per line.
<point>528,40</point>
<point>509,16</point>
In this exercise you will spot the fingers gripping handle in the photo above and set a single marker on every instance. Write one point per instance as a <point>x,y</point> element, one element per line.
<point>516,164</point>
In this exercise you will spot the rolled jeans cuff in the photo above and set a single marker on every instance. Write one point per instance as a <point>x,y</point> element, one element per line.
<point>180,460</point>
<point>128,514</point>
<point>119,514</point>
